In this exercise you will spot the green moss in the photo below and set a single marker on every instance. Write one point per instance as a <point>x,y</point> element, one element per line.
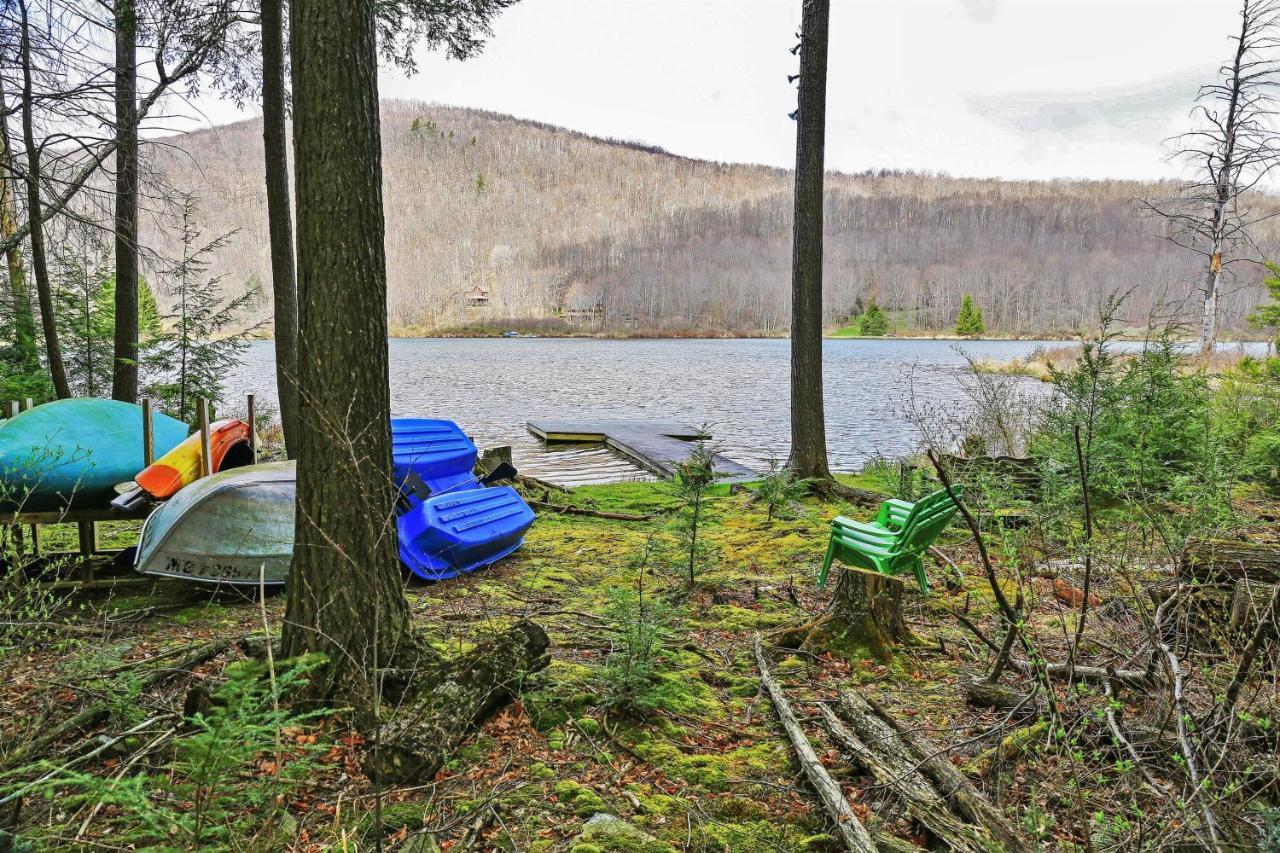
<point>582,800</point>
<point>610,834</point>
<point>395,816</point>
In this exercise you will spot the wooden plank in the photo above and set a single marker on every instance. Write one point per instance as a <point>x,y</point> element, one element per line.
<point>253,432</point>
<point>206,452</point>
<point>75,516</point>
<point>148,434</point>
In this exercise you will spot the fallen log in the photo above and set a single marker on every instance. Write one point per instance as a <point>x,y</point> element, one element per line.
<point>1134,679</point>
<point>1223,561</point>
<point>444,702</point>
<point>569,509</point>
<point>966,799</point>
<point>851,831</point>
<point>998,697</point>
<point>937,795</point>
<point>888,764</point>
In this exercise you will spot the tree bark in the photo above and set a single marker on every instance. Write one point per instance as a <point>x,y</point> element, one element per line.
<point>284,287</point>
<point>24,321</point>
<point>865,617</point>
<point>124,371</point>
<point>808,422</point>
<point>35,211</point>
<point>451,698</point>
<point>344,585</point>
<point>1223,561</point>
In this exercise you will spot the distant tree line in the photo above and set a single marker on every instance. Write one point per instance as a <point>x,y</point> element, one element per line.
<point>556,224</point>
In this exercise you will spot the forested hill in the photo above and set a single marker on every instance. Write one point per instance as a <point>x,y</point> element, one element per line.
<point>490,219</point>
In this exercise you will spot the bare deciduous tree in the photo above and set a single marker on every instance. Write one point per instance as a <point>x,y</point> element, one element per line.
<point>1229,152</point>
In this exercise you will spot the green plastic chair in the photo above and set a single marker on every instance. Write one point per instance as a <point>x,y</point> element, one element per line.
<point>896,541</point>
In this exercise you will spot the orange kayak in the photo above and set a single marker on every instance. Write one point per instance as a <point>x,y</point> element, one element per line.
<point>229,446</point>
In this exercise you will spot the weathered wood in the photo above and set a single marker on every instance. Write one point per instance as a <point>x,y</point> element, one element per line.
<point>871,604</point>
<point>984,694</point>
<point>966,799</point>
<point>1248,601</point>
<point>876,748</point>
<point>206,452</point>
<point>851,831</point>
<point>444,702</point>
<point>1228,560</point>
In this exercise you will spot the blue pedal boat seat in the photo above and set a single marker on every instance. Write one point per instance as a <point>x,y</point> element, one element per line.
<point>437,451</point>
<point>462,530</point>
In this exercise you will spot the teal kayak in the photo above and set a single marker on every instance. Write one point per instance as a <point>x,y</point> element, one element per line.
<point>72,453</point>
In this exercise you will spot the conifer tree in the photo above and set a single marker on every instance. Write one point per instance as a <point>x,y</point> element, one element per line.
<point>190,357</point>
<point>969,323</point>
<point>874,322</point>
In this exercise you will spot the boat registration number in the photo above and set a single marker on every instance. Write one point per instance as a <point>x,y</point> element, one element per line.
<point>214,571</point>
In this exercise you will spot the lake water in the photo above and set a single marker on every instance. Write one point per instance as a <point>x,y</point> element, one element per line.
<point>492,386</point>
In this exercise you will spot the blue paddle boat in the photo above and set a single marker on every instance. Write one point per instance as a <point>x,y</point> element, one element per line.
<point>452,522</point>
<point>70,454</point>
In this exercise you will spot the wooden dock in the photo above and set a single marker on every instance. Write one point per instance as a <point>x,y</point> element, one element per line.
<point>658,446</point>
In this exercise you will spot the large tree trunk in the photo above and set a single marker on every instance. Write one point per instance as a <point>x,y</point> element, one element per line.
<point>284,288</point>
<point>24,321</point>
<point>808,423</point>
<point>345,597</point>
<point>124,372</point>
<point>35,212</point>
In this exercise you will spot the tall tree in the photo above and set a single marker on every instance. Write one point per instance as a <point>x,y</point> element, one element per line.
<point>35,212</point>
<point>1231,151</point>
<point>124,381</point>
<point>279,219</point>
<point>344,585</point>
<point>24,321</point>
<point>808,422</point>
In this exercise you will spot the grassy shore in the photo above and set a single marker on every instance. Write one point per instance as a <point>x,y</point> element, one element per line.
<point>707,769</point>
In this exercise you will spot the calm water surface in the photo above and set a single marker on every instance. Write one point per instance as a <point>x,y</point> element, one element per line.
<point>492,386</point>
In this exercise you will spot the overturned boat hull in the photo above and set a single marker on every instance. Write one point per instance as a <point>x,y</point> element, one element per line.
<point>70,454</point>
<point>235,527</point>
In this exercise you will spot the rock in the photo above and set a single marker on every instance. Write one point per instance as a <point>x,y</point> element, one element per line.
<point>607,832</point>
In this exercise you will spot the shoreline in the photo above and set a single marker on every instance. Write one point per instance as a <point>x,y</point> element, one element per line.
<point>417,334</point>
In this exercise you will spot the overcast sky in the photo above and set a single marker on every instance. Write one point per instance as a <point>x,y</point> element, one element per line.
<point>1010,88</point>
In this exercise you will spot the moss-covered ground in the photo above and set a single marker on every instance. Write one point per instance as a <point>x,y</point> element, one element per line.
<point>703,766</point>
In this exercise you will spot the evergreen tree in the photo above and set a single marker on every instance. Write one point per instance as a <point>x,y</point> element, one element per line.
<point>85,311</point>
<point>189,359</point>
<point>874,322</point>
<point>969,322</point>
<point>1268,316</point>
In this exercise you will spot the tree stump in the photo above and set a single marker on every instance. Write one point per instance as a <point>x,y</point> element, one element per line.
<point>865,616</point>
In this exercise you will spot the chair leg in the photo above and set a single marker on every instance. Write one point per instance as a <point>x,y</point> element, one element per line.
<point>826,564</point>
<point>921,577</point>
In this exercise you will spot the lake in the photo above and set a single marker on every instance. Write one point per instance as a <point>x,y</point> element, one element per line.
<point>491,386</point>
